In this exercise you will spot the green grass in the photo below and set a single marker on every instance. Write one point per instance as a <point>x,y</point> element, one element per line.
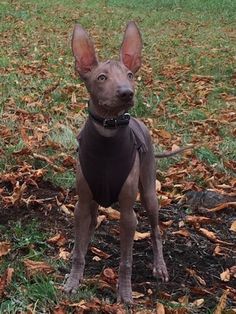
<point>28,241</point>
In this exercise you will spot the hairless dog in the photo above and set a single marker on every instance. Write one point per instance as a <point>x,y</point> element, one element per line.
<point>116,157</point>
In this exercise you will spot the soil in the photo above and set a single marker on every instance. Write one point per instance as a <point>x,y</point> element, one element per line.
<point>181,253</point>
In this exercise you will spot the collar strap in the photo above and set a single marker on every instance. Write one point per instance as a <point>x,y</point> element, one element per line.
<point>112,123</point>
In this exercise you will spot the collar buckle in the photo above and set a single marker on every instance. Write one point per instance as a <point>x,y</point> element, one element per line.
<point>112,123</point>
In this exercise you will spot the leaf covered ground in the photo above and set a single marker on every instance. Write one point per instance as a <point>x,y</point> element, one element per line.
<point>185,95</point>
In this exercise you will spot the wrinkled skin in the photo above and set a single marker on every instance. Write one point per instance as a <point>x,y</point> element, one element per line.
<point>111,88</point>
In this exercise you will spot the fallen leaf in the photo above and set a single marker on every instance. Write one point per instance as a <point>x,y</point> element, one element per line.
<point>196,219</point>
<point>160,309</point>
<point>99,252</point>
<point>198,302</point>
<point>109,275</point>
<point>183,300</point>
<point>222,206</point>
<point>102,284</point>
<point>137,295</point>
<point>5,248</point>
<point>193,273</point>
<point>5,280</point>
<point>49,161</point>
<point>111,213</point>
<point>97,258</point>
<point>33,267</point>
<point>63,207</point>
<point>164,134</point>
<point>182,232</point>
<point>158,186</point>
<point>63,254</point>
<point>211,236</point>
<point>222,303</point>
<point>141,235</point>
<point>59,310</point>
<point>100,219</point>
<point>166,224</point>
<point>233,271</point>
<point>233,226</point>
<point>225,276</point>
<point>58,239</point>
<point>17,194</point>
<point>219,251</point>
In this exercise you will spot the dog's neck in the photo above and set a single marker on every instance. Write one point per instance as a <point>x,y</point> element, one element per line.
<point>102,113</point>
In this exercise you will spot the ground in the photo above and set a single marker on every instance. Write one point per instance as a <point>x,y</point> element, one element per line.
<point>193,266</point>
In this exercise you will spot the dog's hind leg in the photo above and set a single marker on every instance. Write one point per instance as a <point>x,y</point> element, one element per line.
<point>147,188</point>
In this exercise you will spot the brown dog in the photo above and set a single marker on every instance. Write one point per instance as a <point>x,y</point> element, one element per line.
<point>116,157</point>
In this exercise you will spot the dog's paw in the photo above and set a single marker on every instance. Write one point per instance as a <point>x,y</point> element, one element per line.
<point>72,283</point>
<point>160,271</point>
<point>124,295</point>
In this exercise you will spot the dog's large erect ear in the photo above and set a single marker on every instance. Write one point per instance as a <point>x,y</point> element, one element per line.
<point>83,51</point>
<point>130,52</point>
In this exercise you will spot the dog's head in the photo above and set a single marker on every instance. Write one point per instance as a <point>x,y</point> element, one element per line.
<point>111,83</point>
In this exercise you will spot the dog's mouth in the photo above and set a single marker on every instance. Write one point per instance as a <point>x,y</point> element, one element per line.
<point>116,108</point>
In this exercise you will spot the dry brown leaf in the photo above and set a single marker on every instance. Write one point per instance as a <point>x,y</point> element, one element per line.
<point>108,276</point>
<point>100,219</point>
<point>141,235</point>
<point>59,310</point>
<point>222,206</point>
<point>5,280</point>
<point>17,194</point>
<point>233,271</point>
<point>158,186</point>
<point>184,300</point>
<point>233,226</point>
<point>102,284</point>
<point>225,276</point>
<point>58,239</point>
<point>97,258</point>
<point>49,161</point>
<point>211,236</point>
<point>198,302</point>
<point>33,267</point>
<point>99,253</point>
<point>160,309</point>
<point>196,219</point>
<point>63,254</point>
<point>182,232</point>
<point>111,213</point>
<point>219,251</point>
<point>5,248</point>
<point>166,224</point>
<point>65,209</point>
<point>164,134</point>
<point>137,295</point>
<point>193,273</point>
<point>208,234</point>
<point>222,303</point>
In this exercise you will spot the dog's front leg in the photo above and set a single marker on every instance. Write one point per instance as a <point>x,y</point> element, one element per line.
<point>128,223</point>
<point>85,216</point>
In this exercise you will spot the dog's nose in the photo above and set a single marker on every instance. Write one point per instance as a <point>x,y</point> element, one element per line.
<point>125,93</point>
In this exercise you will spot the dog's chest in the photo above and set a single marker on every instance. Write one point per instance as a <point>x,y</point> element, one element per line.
<point>106,161</point>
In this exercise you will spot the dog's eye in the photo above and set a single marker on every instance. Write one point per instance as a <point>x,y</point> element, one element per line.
<point>102,77</point>
<point>130,75</point>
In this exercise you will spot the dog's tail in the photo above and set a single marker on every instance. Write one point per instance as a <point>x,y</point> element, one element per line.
<point>174,152</point>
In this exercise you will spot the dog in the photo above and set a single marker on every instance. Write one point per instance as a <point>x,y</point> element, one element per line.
<point>116,157</point>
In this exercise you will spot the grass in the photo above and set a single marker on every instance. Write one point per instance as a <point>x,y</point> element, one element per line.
<point>182,40</point>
